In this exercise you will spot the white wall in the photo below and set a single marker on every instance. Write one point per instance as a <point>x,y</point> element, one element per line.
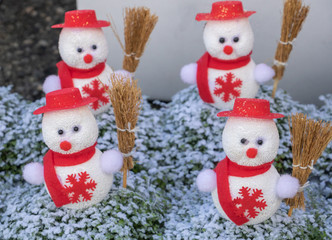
<point>177,40</point>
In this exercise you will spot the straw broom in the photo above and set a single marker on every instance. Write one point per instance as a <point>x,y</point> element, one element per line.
<point>126,98</point>
<point>294,15</point>
<point>138,26</point>
<point>309,139</point>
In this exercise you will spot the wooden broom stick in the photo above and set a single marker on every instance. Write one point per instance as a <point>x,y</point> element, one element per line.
<point>126,98</point>
<point>309,140</point>
<point>294,15</point>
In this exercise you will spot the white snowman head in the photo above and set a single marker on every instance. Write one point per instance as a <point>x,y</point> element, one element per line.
<point>82,43</point>
<point>83,48</point>
<point>227,33</point>
<point>250,136</point>
<point>68,125</point>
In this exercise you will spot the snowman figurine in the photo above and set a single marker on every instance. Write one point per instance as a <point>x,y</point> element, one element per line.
<point>83,49</point>
<point>226,71</point>
<point>246,188</point>
<point>76,174</point>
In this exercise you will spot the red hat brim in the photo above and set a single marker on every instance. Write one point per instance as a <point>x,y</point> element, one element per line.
<point>85,101</point>
<point>210,17</point>
<point>98,24</point>
<point>232,114</point>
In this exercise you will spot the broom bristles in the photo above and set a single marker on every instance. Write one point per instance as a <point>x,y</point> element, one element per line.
<point>309,140</point>
<point>294,15</point>
<point>138,26</point>
<point>126,98</point>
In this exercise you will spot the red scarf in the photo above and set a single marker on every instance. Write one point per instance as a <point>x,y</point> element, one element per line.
<point>206,62</point>
<point>66,73</point>
<point>52,159</point>
<point>227,168</point>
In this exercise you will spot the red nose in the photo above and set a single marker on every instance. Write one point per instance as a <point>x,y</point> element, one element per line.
<point>228,50</point>
<point>65,146</point>
<point>88,58</point>
<point>252,152</point>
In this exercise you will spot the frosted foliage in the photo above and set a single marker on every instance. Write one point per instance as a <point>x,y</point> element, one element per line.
<point>72,39</point>
<point>162,201</point>
<point>228,29</point>
<point>252,132</point>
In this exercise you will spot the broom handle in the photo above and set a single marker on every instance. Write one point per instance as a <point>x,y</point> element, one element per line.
<point>275,86</point>
<point>125,178</point>
<point>290,212</point>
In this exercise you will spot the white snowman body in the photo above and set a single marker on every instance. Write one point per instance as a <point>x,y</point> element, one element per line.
<point>76,174</point>
<point>86,136</point>
<point>245,186</point>
<point>91,87</point>
<point>244,76</point>
<point>229,40</point>
<point>92,168</point>
<point>84,49</point>
<point>262,135</point>
<point>265,182</point>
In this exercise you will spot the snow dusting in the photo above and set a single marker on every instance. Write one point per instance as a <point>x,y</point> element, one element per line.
<point>162,201</point>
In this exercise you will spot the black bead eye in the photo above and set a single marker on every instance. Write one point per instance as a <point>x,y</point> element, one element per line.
<point>79,50</point>
<point>60,132</point>
<point>244,141</point>
<point>236,39</point>
<point>94,47</point>
<point>222,40</point>
<point>76,129</point>
<point>260,141</point>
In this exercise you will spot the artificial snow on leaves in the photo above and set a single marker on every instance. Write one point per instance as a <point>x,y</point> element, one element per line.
<point>162,201</point>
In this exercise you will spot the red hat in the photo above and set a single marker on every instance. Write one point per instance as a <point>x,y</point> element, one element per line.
<point>67,98</point>
<point>251,108</point>
<point>224,10</point>
<point>81,19</point>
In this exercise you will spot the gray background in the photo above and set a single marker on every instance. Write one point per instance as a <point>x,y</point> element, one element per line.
<point>177,40</point>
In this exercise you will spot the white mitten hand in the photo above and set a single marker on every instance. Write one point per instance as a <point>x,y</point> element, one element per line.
<point>287,186</point>
<point>111,161</point>
<point>263,73</point>
<point>33,173</point>
<point>51,83</point>
<point>188,73</point>
<point>206,180</point>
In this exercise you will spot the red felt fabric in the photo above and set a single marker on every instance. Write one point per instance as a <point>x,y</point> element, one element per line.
<point>227,168</point>
<point>67,98</point>
<point>206,62</point>
<point>96,90</point>
<point>81,185</point>
<point>67,73</point>
<point>52,159</point>
<point>251,108</point>
<point>229,86</point>
<point>225,10</point>
<point>82,19</point>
